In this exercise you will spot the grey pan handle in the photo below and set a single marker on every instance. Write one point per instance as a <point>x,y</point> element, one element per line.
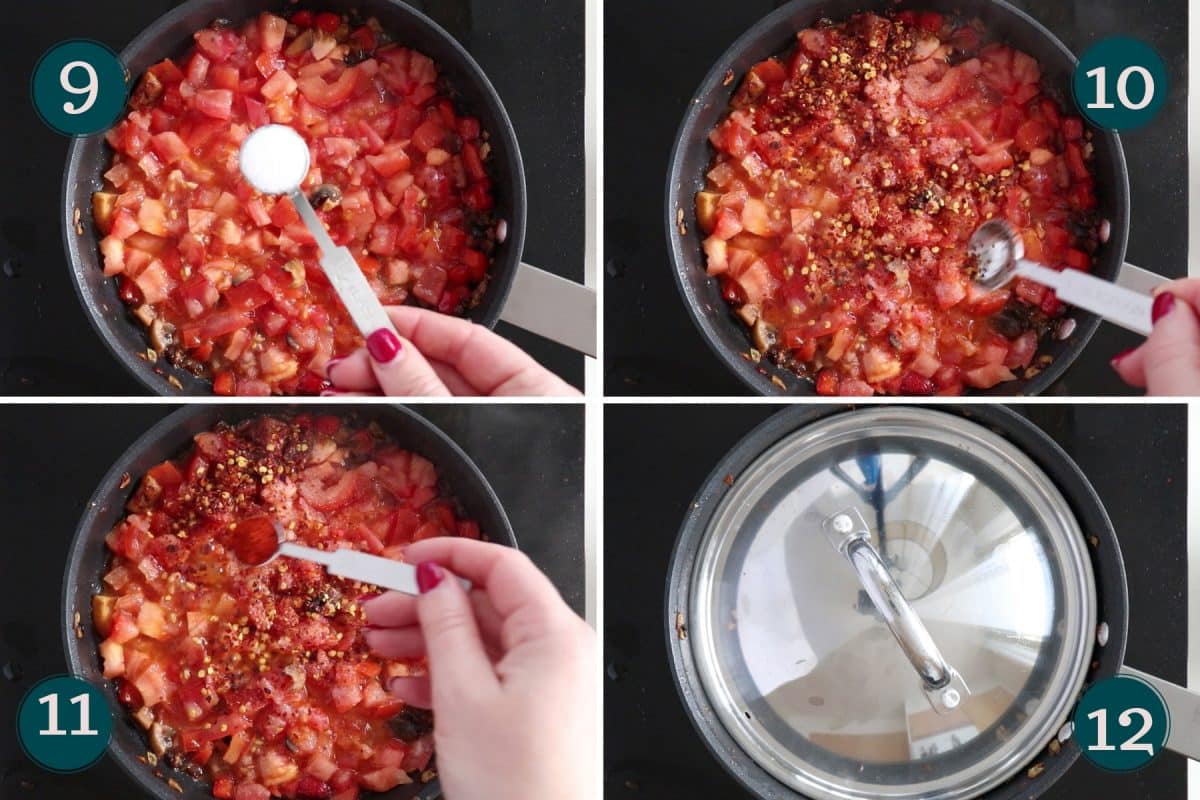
<point>1138,279</point>
<point>847,531</point>
<point>1184,705</point>
<point>561,310</point>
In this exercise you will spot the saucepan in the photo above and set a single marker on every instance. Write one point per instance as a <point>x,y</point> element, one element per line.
<point>898,602</point>
<point>518,293</point>
<point>774,35</point>
<point>88,557</point>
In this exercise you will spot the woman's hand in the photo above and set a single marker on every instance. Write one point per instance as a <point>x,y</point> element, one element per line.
<point>1168,363</point>
<point>511,672</point>
<point>439,355</point>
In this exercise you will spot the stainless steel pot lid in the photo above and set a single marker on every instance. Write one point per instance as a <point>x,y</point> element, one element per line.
<point>915,519</point>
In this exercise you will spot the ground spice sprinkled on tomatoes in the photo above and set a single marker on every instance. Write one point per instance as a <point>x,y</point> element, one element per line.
<point>256,678</point>
<point>227,280</point>
<point>848,179</point>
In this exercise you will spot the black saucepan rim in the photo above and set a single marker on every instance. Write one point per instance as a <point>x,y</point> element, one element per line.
<point>87,159</point>
<point>87,557</point>
<point>725,335</point>
<point>1111,589</point>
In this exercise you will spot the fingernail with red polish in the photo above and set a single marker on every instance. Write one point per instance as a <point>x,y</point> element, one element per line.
<point>429,575</point>
<point>383,346</point>
<point>333,362</point>
<point>1120,356</point>
<point>1162,306</point>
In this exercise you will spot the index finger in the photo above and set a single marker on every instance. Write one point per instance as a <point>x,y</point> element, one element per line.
<point>1186,289</point>
<point>1172,352</point>
<point>490,363</point>
<point>507,576</point>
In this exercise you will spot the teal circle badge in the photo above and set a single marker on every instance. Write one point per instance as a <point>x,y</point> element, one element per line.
<point>1122,724</point>
<point>1120,83</point>
<point>79,87</point>
<point>64,724</point>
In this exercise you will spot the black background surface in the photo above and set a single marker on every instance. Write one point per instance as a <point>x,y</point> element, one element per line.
<point>1134,456</point>
<point>532,50</point>
<point>53,457</point>
<point>656,55</point>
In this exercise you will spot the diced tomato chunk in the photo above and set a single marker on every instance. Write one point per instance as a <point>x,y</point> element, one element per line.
<point>271,31</point>
<point>393,159</point>
<point>329,94</point>
<point>327,21</point>
<point>218,44</point>
<point>216,103</point>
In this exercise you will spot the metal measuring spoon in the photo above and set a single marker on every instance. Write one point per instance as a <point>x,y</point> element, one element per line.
<point>259,540</point>
<point>1000,256</point>
<point>275,160</point>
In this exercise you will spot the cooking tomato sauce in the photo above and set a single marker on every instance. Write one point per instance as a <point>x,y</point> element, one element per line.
<point>228,280</point>
<point>256,678</point>
<point>848,179</point>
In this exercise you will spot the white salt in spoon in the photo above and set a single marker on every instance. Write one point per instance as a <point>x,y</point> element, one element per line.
<point>999,254</point>
<point>275,160</point>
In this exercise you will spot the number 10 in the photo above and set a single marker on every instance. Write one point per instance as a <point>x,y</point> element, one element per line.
<point>1126,720</point>
<point>1100,74</point>
<point>81,700</point>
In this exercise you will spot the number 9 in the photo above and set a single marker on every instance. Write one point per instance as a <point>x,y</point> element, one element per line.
<point>91,89</point>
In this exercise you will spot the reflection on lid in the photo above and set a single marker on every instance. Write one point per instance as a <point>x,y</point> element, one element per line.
<point>795,652</point>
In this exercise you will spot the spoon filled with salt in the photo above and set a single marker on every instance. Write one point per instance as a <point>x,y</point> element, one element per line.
<point>275,160</point>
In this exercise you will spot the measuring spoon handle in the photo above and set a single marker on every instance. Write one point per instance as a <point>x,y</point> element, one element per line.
<point>1120,306</point>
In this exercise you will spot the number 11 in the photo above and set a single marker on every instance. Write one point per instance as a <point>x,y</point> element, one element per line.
<point>81,700</point>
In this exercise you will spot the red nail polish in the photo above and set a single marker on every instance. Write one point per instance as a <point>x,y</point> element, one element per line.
<point>383,345</point>
<point>1115,361</point>
<point>1162,306</point>
<point>333,362</point>
<point>429,575</point>
<point>1121,355</point>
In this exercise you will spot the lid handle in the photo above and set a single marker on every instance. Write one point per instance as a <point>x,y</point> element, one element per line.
<point>847,531</point>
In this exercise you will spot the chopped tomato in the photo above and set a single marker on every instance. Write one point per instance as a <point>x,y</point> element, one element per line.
<point>218,43</point>
<point>327,21</point>
<point>846,185</point>
<point>268,711</point>
<point>395,170</point>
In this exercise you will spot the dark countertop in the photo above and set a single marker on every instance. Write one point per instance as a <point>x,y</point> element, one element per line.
<point>530,49</point>
<point>651,345</point>
<point>65,451</point>
<point>1134,456</point>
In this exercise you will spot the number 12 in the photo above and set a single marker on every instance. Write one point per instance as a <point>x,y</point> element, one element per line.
<point>1125,720</point>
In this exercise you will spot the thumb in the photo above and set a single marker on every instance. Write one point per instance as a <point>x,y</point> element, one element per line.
<point>1171,355</point>
<point>400,368</point>
<point>458,661</point>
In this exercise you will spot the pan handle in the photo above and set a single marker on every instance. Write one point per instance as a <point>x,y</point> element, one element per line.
<point>847,531</point>
<point>1184,736</point>
<point>561,310</point>
<point>1139,280</point>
